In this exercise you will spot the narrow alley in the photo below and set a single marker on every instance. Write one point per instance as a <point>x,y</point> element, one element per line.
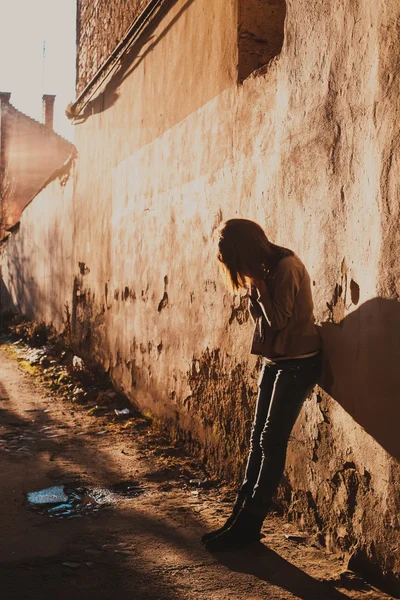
<point>138,511</point>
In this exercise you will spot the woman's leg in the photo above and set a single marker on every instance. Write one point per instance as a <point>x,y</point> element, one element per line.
<point>266,384</point>
<point>292,384</point>
<point>265,387</point>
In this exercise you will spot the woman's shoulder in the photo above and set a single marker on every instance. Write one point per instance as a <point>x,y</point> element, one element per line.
<point>291,262</point>
<point>290,268</point>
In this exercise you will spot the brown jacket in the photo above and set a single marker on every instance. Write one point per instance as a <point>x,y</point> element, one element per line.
<point>289,329</point>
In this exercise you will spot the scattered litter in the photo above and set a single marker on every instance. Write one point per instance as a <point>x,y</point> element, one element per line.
<point>77,363</point>
<point>51,495</point>
<point>68,501</point>
<point>101,432</point>
<point>195,492</point>
<point>59,508</point>
<point>33,356</point>
<point>123,411</point>
<point>74,500</point>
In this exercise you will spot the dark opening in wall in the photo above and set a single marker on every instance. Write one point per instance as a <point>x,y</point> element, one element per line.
<point>260,33</point>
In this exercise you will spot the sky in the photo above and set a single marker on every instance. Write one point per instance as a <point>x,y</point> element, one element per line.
<point>28,72</point>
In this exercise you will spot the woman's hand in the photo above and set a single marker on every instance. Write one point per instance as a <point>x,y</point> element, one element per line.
<point>264,299</point>
<point>252,290</point>
<point>260,286</point>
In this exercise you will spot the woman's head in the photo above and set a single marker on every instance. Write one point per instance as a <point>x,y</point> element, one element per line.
<point>245,251</point>
<point>243,248</point>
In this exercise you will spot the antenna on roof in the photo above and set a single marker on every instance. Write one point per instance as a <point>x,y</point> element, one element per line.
<point>43,63</point>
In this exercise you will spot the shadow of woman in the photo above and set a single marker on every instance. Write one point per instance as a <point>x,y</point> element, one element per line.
<point>361,358</point>
<point>268,566</point>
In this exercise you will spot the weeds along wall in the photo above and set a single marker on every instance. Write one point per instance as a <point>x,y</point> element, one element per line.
<point>306,145</point>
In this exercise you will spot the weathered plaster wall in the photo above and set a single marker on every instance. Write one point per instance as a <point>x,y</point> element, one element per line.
<point>307,148</point>
<point>36,265</point>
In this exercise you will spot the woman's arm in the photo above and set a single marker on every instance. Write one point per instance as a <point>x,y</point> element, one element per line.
<point>254,307</point>
<point>255,310</point>
<point>279,308</point>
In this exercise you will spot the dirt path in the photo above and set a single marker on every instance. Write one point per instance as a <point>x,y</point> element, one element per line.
<point>144,542</point>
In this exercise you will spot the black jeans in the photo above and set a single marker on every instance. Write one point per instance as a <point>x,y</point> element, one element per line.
<point>283,387</point>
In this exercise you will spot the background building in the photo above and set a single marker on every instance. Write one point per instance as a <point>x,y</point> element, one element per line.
<point>29,153</point>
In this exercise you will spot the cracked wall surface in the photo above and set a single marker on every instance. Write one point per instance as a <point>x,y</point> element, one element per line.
<point>306,146</point>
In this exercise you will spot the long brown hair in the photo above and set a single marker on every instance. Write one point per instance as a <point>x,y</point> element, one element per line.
<point>243,247</point>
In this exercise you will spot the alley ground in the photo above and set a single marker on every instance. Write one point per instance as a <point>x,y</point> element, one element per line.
<point>145,506</point>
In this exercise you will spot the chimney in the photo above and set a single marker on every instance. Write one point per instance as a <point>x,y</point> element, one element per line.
<point>5,97</point>
<point>48,110</point>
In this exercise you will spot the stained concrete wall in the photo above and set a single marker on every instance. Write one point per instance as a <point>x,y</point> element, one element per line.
<point>308,148</point>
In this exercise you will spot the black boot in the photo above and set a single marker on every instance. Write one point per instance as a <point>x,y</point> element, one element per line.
<point>235,511</point>
<point>245,530</point>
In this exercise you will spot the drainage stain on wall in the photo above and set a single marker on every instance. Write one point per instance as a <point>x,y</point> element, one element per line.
<point>164,300</point>
<point>88,319</point>
<point>224,401</point>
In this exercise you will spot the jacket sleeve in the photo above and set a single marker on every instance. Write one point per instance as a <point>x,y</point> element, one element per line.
<point>279,307</point>
<point>255,309</point>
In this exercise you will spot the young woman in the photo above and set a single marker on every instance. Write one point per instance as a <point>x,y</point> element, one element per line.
<point>281,306</point>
